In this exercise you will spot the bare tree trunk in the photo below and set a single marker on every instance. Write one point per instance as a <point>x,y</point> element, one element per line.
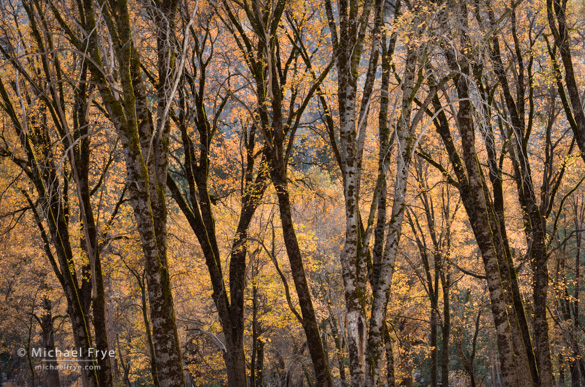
<point>320,362</point>
<point>382,275</point>
<point>445,330</point>
<point>390,376</point>
<point>52,374</point>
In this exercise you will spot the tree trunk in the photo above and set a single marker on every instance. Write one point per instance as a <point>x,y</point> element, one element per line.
<point>557,19</point>
<point>445,332</point>
<point>52,374</point>
<point>338,347</point>
<point>382,275</point>
<point>310,326</point>
<point>353,265</point>
<point>259,363</point>
<point>81,333</point>
<point>255,335</point>
<point>390,376</point>
<point>151,350</point>
<point>145,146</point>
<point>515,370</point>
<point>433,343</point>
<point>348,51</point>
<point>79,156</point>
<point>476,208</point>
<point>535,226</point>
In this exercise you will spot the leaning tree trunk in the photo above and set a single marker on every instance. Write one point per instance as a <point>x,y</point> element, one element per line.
<point>309,319</point>
<point>471,183</point>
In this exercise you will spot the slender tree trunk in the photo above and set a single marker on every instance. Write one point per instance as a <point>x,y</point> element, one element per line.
<point>310,326</point>
<point>561,369</point>
<point>477,211</point>
<point>81,331</point>
<point>472,188</point>
<point>99,298</point>
<point>534,221</point>
<point>348,51</point>
<point>151,350</point>
<point>575,374</point>
<point>474,200</point>
<point>445,332</point>
<point>557,18</point>
<point>255,336</point>
<point>577,371</point>
<point>390,376</point>
<point>353,266</point>
<point>259,363</point>
<point>382,275</point>
<point>338,347</point>
<point>433,343</point>
<point>52,374</point>
<point>79,157</point>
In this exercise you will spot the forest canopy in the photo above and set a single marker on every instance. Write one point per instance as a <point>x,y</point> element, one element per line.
<point>291,193</point>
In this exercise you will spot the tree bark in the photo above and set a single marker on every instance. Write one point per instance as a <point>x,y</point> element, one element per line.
<point>48,331</point>
<point>471,183</point>
<point>390,375</point>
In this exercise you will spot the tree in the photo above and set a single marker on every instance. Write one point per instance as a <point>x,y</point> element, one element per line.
<point>248,192</point>
<point>436,222</point>
<point>196,204</point>
<point>279,124</point>
<point>145,142</point>
<point>42,87</point>
<point>557,19</point>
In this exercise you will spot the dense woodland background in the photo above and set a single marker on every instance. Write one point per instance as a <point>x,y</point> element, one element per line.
<point>293,193</point>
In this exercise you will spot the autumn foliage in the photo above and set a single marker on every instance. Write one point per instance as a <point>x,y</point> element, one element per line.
<point>289,193</point>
